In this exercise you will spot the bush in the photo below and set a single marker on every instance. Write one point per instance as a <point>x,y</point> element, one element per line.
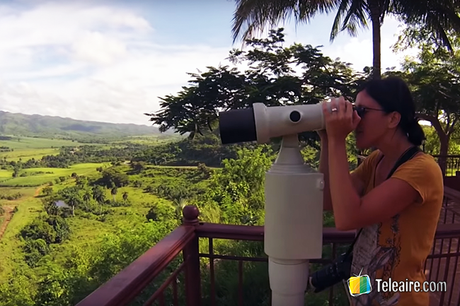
<point>34,250</point>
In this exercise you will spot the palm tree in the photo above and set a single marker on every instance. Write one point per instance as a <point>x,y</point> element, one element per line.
<point>437,16</point>
<point>114,192</point>
<point>99,196</point>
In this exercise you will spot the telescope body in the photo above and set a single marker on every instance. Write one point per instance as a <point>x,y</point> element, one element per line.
<point>293,193</point>
<point>260,123</point>
<point>293,223</point>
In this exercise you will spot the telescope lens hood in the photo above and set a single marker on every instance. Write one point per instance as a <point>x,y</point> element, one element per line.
<point>237,125</point>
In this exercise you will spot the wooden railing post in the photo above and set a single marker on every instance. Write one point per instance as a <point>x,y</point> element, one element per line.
<point>192,270</point>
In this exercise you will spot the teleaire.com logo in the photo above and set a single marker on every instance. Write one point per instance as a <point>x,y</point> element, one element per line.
<point>361,284</point>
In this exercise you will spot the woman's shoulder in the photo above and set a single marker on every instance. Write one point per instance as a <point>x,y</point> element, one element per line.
<point>422,167</point>
<point>424,162</point>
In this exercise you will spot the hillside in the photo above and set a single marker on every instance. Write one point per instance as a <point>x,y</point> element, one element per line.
<point>49,126</point>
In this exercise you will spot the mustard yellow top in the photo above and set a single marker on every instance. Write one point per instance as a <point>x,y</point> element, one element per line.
<point>398,248</point>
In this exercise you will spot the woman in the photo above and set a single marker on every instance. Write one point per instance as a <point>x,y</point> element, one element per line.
<point>398,216</point>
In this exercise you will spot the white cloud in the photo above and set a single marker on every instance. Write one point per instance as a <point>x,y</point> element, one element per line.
<point>96,48</point>
<point>86,62</point>
<point>103,63</point>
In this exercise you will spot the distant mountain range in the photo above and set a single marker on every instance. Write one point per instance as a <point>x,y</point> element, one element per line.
<point>51,126</point>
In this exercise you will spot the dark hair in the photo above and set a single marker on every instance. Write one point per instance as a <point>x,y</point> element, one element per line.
<point>393,95</point>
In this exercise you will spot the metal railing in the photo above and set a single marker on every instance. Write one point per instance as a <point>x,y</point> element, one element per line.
<point>161,276</point>
<point>452,163</point>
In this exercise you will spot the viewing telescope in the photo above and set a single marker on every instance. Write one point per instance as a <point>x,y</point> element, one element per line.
<point>260,123</point>
<point>293,193</point>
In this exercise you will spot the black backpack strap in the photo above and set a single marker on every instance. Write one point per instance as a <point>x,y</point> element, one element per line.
<point>409,154</point>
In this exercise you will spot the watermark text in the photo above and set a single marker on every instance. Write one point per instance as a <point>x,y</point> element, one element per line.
<point>410,286</point>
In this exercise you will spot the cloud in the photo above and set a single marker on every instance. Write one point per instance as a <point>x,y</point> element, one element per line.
<point>90,62</point>
<point>97,48</point>
<point>107,63</point>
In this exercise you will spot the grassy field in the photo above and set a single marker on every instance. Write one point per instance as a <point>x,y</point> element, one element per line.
<point>27,147</point>
<point>40,176</point>
<point>25,154</point>
<point>154,139</point>
<point>36,143</point>
<point>86,229</point>
<point>29,207</point>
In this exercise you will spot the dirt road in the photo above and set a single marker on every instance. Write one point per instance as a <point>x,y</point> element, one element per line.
<point>9,212</point>
<point>7,215</point>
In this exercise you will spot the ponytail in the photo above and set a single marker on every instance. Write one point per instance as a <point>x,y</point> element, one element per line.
<point>415,133</point>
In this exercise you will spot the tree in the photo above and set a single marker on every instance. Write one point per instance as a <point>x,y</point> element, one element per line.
<point>238,188</point>
<point>87,196</point>
<point>114,192</point>
<point>272,78</point>
<point>99,195</point>
<point>434,78</point>
<point>436,16</point>
<point>73,196</point>
<point>113,177</point>
<point>137,167</point>
<point>416,33</point>
<point>48,190</point>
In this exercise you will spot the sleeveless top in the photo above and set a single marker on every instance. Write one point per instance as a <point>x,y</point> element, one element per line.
<point>397,249</point>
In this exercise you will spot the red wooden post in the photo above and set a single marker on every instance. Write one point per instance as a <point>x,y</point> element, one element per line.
<point>192,270</point>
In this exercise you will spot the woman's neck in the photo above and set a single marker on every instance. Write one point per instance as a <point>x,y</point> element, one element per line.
<point>392,150</point>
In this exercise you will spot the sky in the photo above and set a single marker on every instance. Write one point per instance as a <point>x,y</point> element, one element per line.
<point>110,61</point>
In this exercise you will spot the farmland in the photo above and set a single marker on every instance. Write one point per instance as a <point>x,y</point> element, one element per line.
<point>120,199</point>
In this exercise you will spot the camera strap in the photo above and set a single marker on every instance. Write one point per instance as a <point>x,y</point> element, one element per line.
<point>409,154</point>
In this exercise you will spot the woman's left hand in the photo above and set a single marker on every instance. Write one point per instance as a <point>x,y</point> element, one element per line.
<point>341,119</point>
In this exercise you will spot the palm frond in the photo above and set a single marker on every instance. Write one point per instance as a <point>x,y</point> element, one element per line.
<point>439,17</point>
<point>356,14</point>
<point>254,15</point>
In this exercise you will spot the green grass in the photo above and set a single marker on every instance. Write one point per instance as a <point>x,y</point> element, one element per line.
<point>29,207</point>
<point>10,246</point>
<point>5,174</point>
<point>26,154</point>
<point>37,143</point>
<point>28,147</point>
<point>153,139</point>
<point>50,174</point>
<point>25,191</point>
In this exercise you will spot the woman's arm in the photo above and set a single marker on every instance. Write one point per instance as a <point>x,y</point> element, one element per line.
<point>324,169</point>
<point>351,210</point>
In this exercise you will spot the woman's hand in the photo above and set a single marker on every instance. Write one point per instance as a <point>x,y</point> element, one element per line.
<point>341,120</point>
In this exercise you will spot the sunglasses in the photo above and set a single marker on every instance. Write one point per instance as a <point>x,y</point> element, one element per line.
<point>362,110</point>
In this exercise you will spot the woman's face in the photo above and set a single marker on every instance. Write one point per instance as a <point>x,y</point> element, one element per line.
<point>373,124</point>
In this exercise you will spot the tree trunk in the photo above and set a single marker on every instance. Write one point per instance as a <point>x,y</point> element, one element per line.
<point>376,39</point>
<point>443,139</point>
<point>443,151</point>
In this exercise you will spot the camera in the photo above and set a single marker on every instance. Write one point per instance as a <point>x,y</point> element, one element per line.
<point>332,274</point>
